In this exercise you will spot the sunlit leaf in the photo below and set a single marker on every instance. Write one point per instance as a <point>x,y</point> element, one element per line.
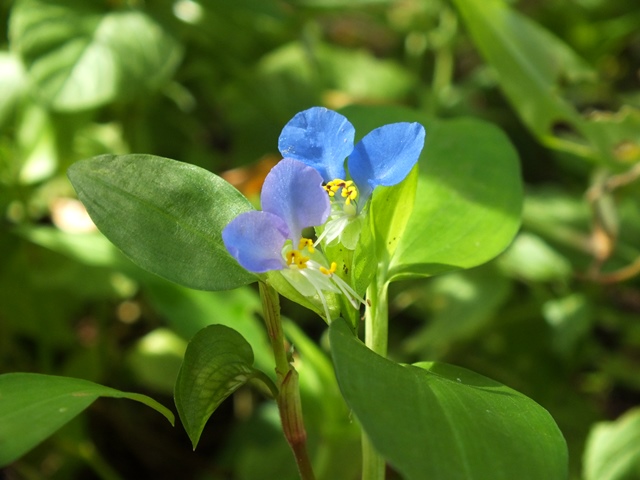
<point>391,209</point>
<point>12,83</point>
<point>468,200</point>
<point>435,420</point>
<point>613,449</point>
<point>80,55</point>
<point>165,215</point>
<point>34,406</point>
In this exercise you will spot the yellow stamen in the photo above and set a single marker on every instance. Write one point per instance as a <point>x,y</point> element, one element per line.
<point>295,257</point>
<point>349,190</point>
<point>308,243</point>
<point>329,271</point>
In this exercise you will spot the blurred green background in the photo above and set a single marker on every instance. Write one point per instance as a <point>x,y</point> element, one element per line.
<point>212,82</point>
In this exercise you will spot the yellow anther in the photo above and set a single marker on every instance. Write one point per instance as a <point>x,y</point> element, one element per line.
<point>349,190</point>
<point>329,271</point>
<point>308,243</point>
<point>295,257</point>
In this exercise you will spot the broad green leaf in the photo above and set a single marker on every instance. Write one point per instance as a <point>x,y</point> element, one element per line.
<point>391,209</point>
<point>468,200</point>
<point>165,215</point>
<point>81,55</point>
<point>613,449</point>
<point>435,420</point>
<point>34,406</point>
<point>530,63</point>
<point>217,362</point>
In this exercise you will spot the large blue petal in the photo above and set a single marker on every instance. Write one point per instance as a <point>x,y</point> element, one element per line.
<point>385,156</point>
<point>293,191</point>
<point>255,240</point>
<point>319,137</point>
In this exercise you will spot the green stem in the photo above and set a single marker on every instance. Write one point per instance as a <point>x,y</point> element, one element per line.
<point>288,398</point>
<point>375,337</point>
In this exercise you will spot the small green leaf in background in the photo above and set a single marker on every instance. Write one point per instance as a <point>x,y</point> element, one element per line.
<point>217,362</point>
<point>167,216</point>
<point>570,319</point>
<point>79,55</point>
<point>613,449</point>
<point>530,62</point>
<point>532,259</point>
<point>439,421</point>
<point>34,406</point>
<point>12,84</point>
<point>459,305</point>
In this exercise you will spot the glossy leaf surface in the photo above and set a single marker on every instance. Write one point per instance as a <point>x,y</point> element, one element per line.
<point>165,215</point>
<point>433,420</point>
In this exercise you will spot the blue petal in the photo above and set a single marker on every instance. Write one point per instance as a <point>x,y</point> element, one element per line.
<point>385,156</point>
<point>320,138</point>
<point>255,240</point>
<point>293,191</point>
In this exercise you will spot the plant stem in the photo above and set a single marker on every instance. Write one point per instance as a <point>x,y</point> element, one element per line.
<point>288,398</point>
<point>375,336</point>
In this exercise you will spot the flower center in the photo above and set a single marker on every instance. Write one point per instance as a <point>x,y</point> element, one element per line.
<point>349,190</point>
<point>297,258</point>
<point>308,274</point>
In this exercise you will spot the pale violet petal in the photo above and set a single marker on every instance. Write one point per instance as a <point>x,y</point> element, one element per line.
<point>255,240</point>
<point>321,138</point>
<point>293,191</point>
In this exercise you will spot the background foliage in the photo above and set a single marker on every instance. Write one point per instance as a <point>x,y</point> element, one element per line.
<point>211,83</point>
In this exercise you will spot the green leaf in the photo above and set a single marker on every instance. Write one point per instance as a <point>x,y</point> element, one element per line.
<point>391,209</point>
<point>80,55</point>
<point>613,449</point>
<point>165,215</point>
<point>34,406</point>
<point>217,362</point>
<point>468,200</point>
<point>530,63</point>
<point>12,84</point>
<point>435,420</point>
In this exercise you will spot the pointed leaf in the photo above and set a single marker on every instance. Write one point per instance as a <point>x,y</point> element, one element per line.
<point>167,216</point>
<point>217,362</point>
<point>34,406</point>
<point>439,421</point>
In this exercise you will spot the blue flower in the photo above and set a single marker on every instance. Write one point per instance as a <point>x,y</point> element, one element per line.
<point>323,139</point>
<point>292,198</point>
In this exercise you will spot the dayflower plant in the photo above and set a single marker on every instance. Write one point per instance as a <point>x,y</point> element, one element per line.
<point>292,199</point>
<point>323,139</point>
